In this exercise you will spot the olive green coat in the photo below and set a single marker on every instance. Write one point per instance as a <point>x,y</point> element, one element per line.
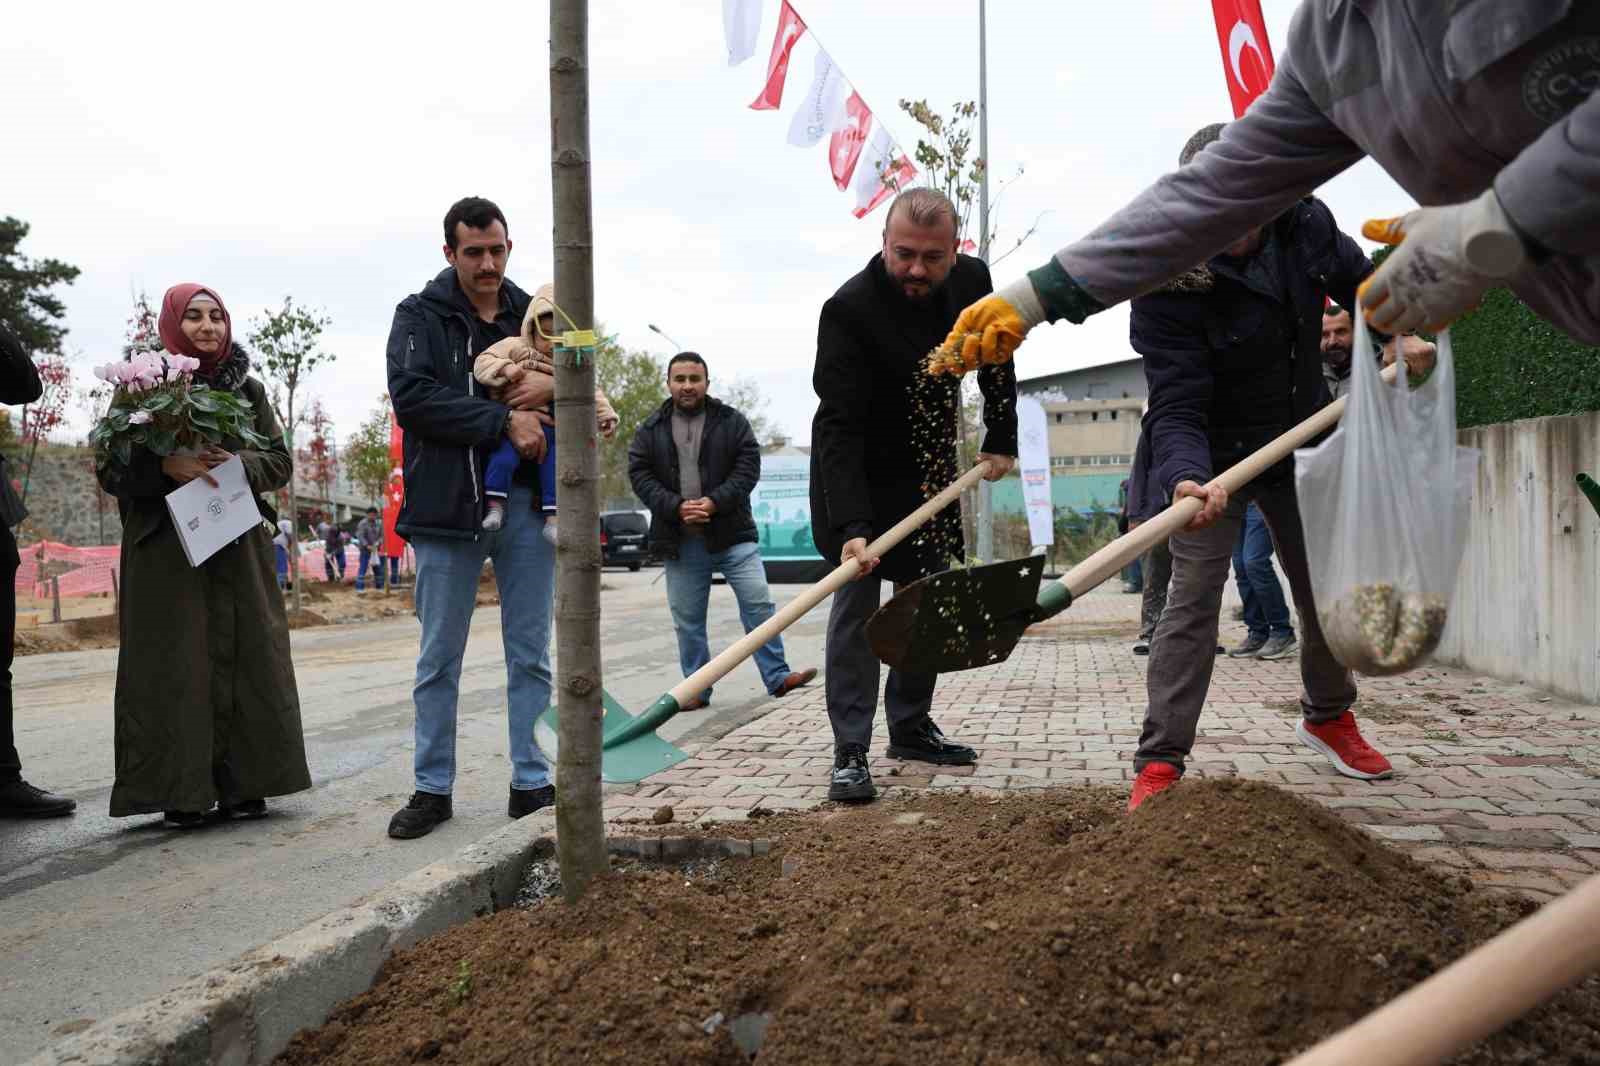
<point>206,705</point>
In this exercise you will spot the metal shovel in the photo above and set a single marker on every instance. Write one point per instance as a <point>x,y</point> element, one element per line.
<point>964,619</point>
<point>630,748</point>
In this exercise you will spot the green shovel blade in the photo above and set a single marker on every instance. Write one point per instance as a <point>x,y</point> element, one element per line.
<point>630,750</point>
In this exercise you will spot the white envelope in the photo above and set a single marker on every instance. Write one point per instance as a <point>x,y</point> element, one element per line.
<point>208,518</point>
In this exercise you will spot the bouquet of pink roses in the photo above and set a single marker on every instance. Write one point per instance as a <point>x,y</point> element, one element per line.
<point>157,404</point>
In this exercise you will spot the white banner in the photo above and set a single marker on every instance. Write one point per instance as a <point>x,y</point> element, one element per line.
<point>1033,463</point>
<point>822,110</point>
<point>741,25</point>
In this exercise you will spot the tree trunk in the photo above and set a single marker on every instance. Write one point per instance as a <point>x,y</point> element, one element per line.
<point>294,507</point>
<point>580,823</point>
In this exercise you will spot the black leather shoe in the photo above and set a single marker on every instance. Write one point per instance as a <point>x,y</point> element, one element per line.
<point>244,810</point>
<point>420,817</point>
<point>924,743</point>
<point>851,781</point>
<point>525,801</point>
<point>184,819</point>
<point>22,800</point>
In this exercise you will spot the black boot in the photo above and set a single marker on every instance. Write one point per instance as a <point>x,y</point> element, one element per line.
<point>851,780</point>
<point>923,742</point>
<point>244,810</point>
<point>420,817</point>
<point>524,801</point>
<point>22,800</point>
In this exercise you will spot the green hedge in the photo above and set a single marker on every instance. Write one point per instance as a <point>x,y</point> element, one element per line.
<point>1512,364</point>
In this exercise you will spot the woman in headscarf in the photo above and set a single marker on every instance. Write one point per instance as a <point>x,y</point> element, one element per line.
<point>207,714</point>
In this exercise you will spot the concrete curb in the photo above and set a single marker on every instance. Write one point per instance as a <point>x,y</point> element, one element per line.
<point>245,1013</point>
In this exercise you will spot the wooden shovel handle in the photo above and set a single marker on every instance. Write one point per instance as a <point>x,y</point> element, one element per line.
<point>842,575</point>
<point>1122,551</point>
<point>1476,994</point>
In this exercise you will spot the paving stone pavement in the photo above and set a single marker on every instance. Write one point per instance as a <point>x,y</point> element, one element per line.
<point>1496,780</point>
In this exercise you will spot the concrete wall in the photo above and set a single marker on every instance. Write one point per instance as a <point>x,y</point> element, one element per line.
<point>1527,602</point>
<point>65,503</point>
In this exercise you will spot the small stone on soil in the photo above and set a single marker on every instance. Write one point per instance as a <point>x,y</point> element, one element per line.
<point>662,816</point>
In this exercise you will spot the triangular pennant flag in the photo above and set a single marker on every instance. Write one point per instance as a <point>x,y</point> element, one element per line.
<point>741,25</point>
<point>823,108</point>
<point>882,172</point>
<point>844,147</point>
<point>790,30</point>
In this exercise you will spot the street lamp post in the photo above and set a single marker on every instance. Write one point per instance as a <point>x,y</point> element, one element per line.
<point>657,329</point>
<point>985,489</point>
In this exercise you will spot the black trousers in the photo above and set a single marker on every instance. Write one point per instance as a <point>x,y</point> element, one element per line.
<point>10,763</point>
<point>853,671</point>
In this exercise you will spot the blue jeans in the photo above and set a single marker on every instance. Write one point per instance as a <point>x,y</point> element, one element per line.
<point>1266,612</point>
<point>280,556</point>
<point>361,570</point>
<point>505,459</point>
<point>446,592</point>
<point>394,569</point>
<point>689,590</point>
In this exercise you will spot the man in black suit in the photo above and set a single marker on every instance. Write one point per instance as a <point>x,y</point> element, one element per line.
<point>882,444</point>
<point>19,383</point>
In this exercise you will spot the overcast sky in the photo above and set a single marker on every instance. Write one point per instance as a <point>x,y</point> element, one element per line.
<point>311,149</point>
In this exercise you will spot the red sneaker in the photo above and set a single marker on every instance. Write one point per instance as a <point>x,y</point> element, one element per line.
<point>1342,743</point>
<point>1155,777</point>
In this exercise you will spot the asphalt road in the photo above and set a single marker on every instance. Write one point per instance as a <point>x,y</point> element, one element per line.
<point>98,914</point>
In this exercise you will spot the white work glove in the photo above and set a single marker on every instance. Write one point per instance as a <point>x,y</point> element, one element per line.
<point>1444,260</point>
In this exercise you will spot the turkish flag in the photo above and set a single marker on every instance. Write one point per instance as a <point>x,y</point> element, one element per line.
<point>844,147</point>
<point>1246,52</point>
<point>884,171</point>
<point>394,494</point>
<point>790,30</point>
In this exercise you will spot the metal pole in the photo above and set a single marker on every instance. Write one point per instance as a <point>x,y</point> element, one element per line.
<point>985,496</point>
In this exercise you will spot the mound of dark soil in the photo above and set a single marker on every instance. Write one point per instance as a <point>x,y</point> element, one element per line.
<point>1225,923</point>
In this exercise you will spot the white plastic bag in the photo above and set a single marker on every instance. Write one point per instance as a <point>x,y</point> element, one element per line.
<point>1384,504</point>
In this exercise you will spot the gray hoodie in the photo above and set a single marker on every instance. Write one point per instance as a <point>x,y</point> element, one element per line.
<point>1449,98</point>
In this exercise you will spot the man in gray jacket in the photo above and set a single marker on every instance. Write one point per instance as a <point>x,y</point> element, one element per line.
<point>1486,112</point>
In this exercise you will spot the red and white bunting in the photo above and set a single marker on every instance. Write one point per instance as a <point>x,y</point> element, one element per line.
<point>844,147</point>
<point>790,30</point>
<point>741,25</point>
<point>822,111</point>
<point>882,172</point>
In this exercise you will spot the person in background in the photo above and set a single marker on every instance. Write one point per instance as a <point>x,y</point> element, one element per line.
<point>207,712</point>
<point>333,541</point>
<point>19,383</point>
<point>1133,573</point>
<point>1270,635</point>
<point>694,462</point>
<point>369,542</point>
<point>284,548</point>
<point>1338,338</point>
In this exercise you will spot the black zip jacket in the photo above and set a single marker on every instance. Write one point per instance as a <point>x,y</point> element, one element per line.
<point>450,425</point>
<point>730,466</point>
<point>19,383</point>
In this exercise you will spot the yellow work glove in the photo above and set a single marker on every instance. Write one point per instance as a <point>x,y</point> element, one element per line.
<point>989,331</point>
<point>1445,259</point>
